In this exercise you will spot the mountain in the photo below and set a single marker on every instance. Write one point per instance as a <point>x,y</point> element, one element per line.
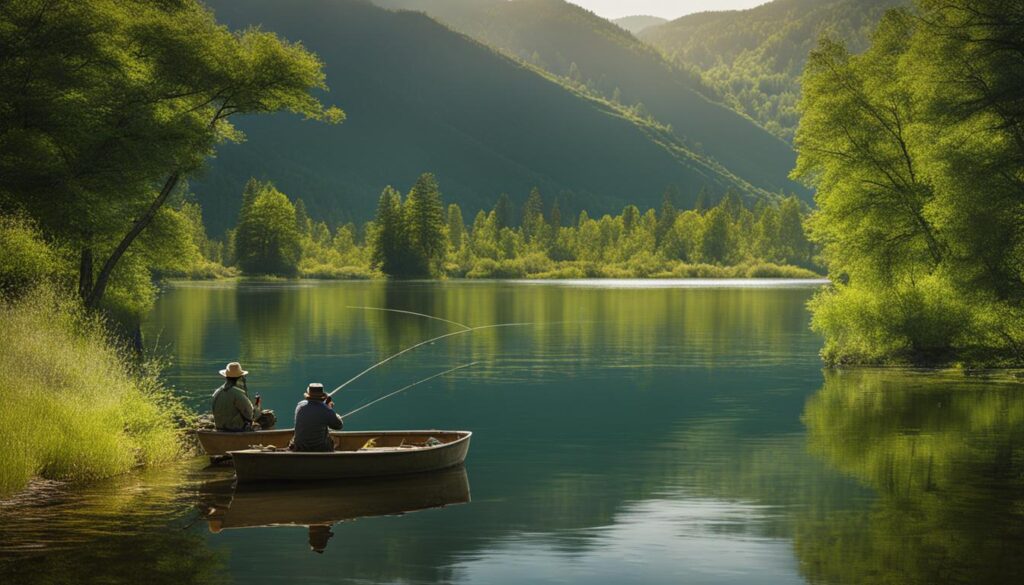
<point>640,23</point>
<point>605,60</point>
<point>753,58</point>
<point>420,97</point>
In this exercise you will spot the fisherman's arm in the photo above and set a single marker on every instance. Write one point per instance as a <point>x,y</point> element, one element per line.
<point>333,419</point>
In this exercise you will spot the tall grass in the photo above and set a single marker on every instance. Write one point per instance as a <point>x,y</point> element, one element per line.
<point>73,406</point>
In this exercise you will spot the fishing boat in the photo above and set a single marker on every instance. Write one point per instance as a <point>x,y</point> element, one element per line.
<point>358,454</point>
<point>328,503</point>
<point>217,444</point>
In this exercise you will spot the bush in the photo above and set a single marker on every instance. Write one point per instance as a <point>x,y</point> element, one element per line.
<point>318,271</point>
<point>74,406</point>
<point>27,258</point>
<point>769,270</point>
<point>911,324</point>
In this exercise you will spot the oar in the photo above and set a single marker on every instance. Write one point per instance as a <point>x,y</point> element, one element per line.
<point>419,345</point>
<point>410,386</point>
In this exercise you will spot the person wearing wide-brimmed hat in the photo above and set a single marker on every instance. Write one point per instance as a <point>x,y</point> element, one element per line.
<point>314,420</point>
<point>232,409</point>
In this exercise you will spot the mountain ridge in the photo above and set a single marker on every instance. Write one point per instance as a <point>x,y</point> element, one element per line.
<point>421,97</point>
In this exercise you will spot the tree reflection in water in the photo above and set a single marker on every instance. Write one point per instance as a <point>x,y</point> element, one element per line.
<point>946,458</point>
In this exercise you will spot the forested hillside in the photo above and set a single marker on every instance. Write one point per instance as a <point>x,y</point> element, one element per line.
<point>640,23</point>
<point>754,58</point>
<point>599,57</point>
<point>420,97</point>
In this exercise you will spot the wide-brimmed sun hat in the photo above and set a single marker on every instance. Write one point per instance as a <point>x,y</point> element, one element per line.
<point>315,392</point>
<point>234,370</point>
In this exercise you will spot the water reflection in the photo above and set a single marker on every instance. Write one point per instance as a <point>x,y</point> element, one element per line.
<point>945,456</point>
<point>319,506</point>
<point>117,531</point>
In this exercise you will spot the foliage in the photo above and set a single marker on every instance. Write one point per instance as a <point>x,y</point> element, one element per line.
<point>27,259</point>
<point>753,59</point>
<point>106,106</point>
<point>919,192</point>
<point>267,240</point>
<point>75,406</point>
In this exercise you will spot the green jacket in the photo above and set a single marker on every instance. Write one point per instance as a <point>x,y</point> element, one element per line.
<point>232,410</point>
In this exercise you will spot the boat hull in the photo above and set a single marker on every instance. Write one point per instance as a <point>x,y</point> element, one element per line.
<point>389,458</point>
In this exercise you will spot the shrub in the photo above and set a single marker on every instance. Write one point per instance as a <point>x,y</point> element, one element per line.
<point>74,405</point>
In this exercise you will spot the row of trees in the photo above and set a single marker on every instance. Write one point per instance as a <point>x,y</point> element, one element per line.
<point>916,149</point>
<point>417,236</point>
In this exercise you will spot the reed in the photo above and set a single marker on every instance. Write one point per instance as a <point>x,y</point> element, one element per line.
<point>73,405</point>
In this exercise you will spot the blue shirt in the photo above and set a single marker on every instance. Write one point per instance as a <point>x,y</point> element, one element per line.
<point>313,424</point>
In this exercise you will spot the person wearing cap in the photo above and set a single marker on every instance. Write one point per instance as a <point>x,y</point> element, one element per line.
<point>314,420</point>
<point>232,409</point>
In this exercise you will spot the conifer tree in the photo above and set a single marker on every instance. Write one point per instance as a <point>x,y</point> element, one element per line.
<point>503,211</point>
<point>533,217</point>
<point>555,220</point>
<point>389,238</point>
<point>425,224</point>
<point>456,226</point>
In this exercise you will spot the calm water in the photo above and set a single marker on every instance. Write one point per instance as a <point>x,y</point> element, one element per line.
<point>634,433</point>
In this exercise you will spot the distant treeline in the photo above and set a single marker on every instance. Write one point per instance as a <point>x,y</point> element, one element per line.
<point>418,236</point>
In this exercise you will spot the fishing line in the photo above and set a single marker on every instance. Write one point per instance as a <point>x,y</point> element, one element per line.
<point>467,327</point>
<point>410,386</point>
<point>419,345</point>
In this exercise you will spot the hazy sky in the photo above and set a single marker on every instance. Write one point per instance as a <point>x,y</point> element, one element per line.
<point>664,8</point>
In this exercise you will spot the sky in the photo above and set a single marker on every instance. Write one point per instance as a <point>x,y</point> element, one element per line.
<point>670,9</point>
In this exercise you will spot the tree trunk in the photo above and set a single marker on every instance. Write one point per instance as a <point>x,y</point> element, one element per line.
<point>100,287</point>
<point>85,274</point>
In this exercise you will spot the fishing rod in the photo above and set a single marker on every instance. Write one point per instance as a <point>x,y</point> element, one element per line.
<point>409,387</point>
<point>419,345</point>
<point>411,313</point>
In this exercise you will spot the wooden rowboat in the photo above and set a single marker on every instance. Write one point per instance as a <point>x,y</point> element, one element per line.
<point>359,454</point>
<point>328,503</point>
<point>219,443</point>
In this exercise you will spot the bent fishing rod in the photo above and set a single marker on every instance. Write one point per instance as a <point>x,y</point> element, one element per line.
<point>409,387</point>
<point>466,329</point>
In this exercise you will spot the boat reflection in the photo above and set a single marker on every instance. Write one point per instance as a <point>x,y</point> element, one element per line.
<point>321,505</point>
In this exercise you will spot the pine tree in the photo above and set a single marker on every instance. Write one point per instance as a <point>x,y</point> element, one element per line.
<point>425,221</point>
<point>630,217</point>
<point>667,216</point>
<point>555,220</point>
<point>456,226</point>
<point>302,220</point>
<point>503,211</point>
<point>533,217</point>
<point>389,238</point>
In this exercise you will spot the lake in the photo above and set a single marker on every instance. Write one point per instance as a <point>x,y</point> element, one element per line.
<point>625,432</point>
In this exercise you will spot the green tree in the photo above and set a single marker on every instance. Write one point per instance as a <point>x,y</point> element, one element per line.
<point>503,211</point>
<point>913,147</point>
<point>267,239</point>
<point>534,224</point>
<point>456,227</point>
<point>389,241</point>
<point>717,239</point>
<point>154,86</point>
<point>425,228</point>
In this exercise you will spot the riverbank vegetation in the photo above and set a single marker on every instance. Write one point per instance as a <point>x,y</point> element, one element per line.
<point>76,403</point>
<point>418,236</point>
<point>916,148</point>
<point>106,108</point>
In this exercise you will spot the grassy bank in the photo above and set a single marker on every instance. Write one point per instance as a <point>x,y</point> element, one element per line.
<point>72,405</point>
